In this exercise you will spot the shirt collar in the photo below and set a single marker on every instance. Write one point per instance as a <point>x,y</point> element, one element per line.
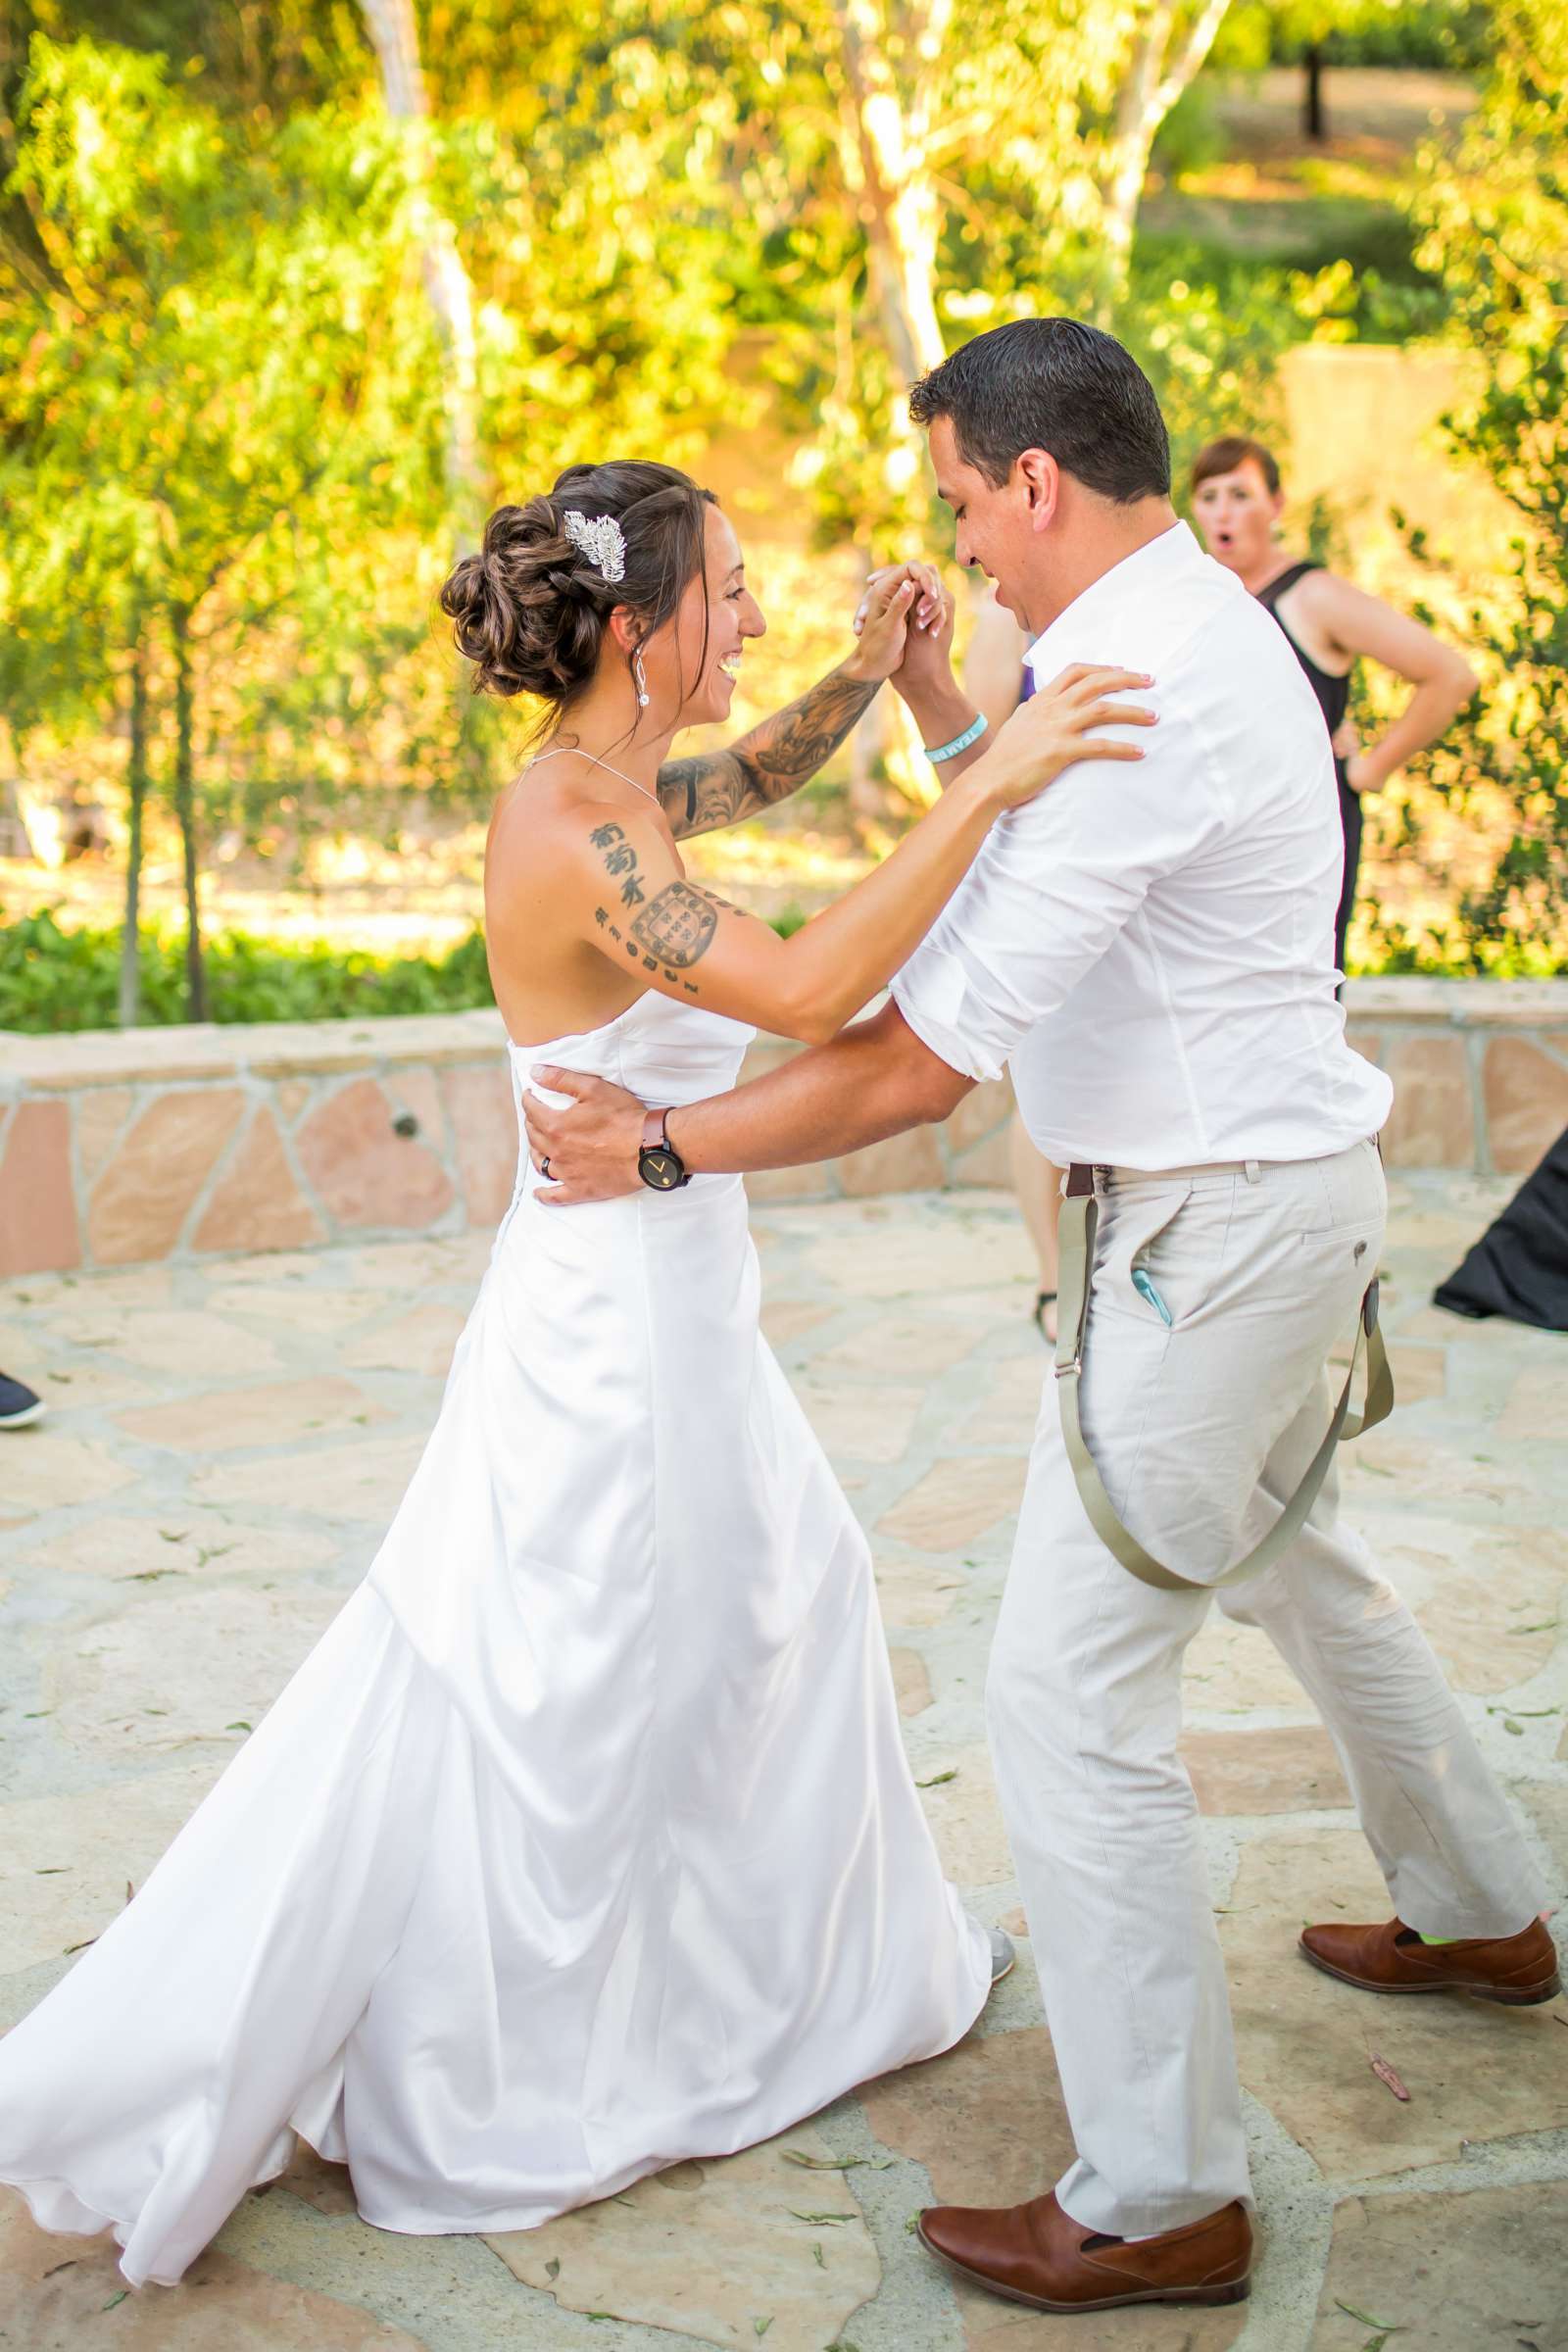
<point>1149,568</point>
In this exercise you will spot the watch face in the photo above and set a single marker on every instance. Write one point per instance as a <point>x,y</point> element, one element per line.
<point>660,1168</point>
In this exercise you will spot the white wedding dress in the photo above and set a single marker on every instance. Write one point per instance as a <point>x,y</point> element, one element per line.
<point>584,1840</point>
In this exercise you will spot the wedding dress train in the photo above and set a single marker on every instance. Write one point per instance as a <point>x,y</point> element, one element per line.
<point>584,1840</point>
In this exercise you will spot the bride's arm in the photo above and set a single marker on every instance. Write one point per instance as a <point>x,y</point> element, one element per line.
<point>629,900</point>
<point>777,758</point>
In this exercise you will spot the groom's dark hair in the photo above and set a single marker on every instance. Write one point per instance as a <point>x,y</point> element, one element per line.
<point>1058,386</point>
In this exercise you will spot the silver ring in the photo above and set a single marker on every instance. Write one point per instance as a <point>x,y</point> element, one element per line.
<point>544,1166</point>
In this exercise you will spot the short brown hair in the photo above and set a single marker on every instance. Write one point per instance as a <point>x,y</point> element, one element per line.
<point>1233,450</point>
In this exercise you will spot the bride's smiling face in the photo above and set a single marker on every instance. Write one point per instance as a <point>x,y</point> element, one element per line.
<point>694,660</point>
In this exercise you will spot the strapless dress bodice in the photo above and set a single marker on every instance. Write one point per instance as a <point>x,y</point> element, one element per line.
<point>658,1050</point>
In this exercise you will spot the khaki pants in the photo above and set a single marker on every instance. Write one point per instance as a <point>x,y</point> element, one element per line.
<point>1200,1429</point>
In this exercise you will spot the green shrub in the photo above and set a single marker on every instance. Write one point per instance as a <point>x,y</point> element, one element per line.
<point>1452,36</point>
<point>1191,135</point>
<point>52,978</point>
<point>1454,950</point>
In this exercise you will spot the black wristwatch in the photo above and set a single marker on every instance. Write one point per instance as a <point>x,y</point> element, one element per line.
<point>658,1164</point>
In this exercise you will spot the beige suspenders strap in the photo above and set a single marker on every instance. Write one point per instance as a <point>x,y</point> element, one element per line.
<point>1080,1217</point>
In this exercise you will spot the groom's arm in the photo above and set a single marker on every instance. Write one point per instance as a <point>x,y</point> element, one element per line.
<point>1046,897</point>
<point>873,1080</point>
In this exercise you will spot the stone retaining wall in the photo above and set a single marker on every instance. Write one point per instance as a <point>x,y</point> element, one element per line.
<point>180,1143</point>
<point>1480,1069</point>
<point>190,1142</point>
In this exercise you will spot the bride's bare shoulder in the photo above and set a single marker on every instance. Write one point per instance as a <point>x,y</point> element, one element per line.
<point>549,839</point>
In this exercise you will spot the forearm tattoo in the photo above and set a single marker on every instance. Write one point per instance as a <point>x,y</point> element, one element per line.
<point>719,787</point>
<point>670,931</point>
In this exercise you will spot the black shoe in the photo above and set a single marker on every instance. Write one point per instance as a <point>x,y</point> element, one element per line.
<point>17,1405</point>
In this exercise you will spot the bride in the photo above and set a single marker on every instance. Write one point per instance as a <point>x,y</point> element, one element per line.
<point>583,1841</point>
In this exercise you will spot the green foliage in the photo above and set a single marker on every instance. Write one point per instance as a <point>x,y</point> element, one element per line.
<point>1387,296</point>
<point>195,386</point>
<point>55,979</point>
<point>1209,330</point>
<point>1456,950</point>
<point>216,375</point>
<point>222,427</point>
<point>921,171</point>
<point>260,60</point>
<point>1209,326</point>
<point>1495,222</point>
<point>1190,137</point>
<point>221,401</point>
<point>1453,35</point>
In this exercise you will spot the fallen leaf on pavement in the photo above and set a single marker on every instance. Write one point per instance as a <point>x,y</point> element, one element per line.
<point>1386,2074</point>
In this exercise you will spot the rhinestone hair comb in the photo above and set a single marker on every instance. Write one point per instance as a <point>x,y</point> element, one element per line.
<point>600,538</point>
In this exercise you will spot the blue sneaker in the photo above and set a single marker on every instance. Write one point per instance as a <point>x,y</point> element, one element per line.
<point>18,1404</point>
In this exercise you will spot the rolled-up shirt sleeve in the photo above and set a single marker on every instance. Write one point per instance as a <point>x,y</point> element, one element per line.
<point>1051,887</point>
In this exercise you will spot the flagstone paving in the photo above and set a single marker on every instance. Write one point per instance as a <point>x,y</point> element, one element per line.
<point>224,1442</point>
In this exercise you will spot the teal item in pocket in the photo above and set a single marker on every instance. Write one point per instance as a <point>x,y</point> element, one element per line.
<point>1146,1290</point>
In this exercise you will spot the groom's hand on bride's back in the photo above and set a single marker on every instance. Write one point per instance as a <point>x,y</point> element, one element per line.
<point>599,1131</point>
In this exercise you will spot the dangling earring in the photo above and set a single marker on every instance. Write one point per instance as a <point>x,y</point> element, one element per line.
<point>640,674</point>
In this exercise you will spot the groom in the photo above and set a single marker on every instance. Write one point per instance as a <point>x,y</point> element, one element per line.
<point>1149,951</point>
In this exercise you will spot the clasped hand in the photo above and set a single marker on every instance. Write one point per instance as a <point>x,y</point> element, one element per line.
<point>925,654</point>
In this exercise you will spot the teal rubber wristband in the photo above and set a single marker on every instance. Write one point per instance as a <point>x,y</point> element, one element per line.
<point>960,743</point>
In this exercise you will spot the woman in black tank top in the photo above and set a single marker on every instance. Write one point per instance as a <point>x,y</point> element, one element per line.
<point>1333,691</point>
<point>1330,624</point>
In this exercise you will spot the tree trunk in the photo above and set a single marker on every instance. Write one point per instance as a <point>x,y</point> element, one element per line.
<point>1314,114</point>
<point>909,232</point>
<point>904,208</point>
<point>136,785</point>
<point>395,37</point>
<point>185,812</point>
<point>1157,78</point>
<point>1133,140</point>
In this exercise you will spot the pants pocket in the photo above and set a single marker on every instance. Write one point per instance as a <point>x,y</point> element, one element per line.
<point>1347,1191</point>
<point>1161,1250</point>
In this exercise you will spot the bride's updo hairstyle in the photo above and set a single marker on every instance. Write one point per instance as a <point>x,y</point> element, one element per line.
<point>531,611</point>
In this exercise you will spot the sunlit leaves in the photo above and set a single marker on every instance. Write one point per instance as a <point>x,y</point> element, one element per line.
<point>1494,218</point>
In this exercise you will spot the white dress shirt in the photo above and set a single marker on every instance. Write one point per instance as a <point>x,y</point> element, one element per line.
<point>1151,948</point>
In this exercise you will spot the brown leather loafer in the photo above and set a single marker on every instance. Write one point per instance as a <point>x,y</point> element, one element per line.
<point>1518,1970</point>
<point>1039,2255</point>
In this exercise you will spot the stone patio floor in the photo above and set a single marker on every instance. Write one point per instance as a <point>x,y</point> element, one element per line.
<point>225,1443</point>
